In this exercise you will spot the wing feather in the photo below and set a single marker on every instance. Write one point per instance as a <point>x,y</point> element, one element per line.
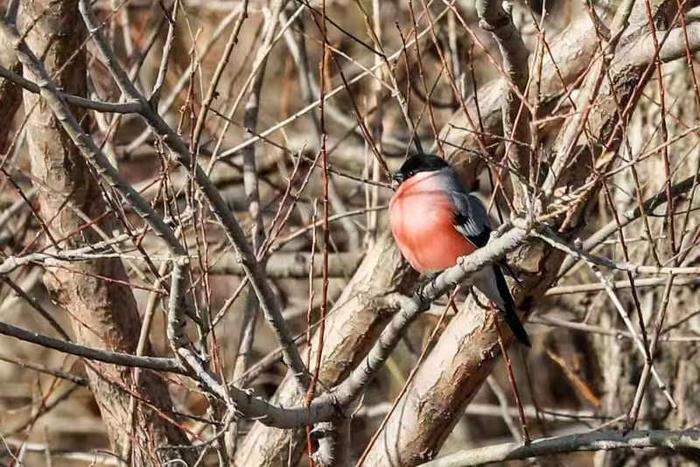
<point>470,218</point>
<point>472,221</point>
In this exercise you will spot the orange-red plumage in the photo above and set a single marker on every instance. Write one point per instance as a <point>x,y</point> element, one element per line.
<point>421,219</point>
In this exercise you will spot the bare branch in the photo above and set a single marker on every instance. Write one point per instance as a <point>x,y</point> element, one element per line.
<point>593,441</point>
<point>116,358</point>
<point>268,300</point>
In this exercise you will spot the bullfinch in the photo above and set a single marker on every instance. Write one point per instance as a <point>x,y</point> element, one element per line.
<point>435,221</point>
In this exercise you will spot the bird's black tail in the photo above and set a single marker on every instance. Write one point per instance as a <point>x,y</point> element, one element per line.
<point>509,308</point>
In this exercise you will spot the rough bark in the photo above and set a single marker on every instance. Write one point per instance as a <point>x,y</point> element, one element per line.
<point>10,95</point>
<point>94,293</point>
<point>465,355</point>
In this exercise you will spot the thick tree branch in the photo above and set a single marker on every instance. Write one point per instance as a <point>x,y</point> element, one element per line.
<point>95,293</point>
<point>514,108</point>
<point>460,361</point>
<point>354,324</point>
<point>461,274</point>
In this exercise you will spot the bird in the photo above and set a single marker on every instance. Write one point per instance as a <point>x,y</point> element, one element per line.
<point>435,221</point>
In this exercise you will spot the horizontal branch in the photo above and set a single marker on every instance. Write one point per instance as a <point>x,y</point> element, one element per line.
<point>250,406</point>
<point>628,217</point>
<point>99,106</point>
<point>116,358</point>
<point>593,441</point>
<point>549,236</point>
<point>622,284</point>
<point>52,257</point>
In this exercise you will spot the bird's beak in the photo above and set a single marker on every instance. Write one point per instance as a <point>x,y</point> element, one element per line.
<point>396,180</point>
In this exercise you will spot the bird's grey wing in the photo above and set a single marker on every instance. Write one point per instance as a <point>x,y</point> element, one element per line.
<point>470,218</point>
<point>472,221</point>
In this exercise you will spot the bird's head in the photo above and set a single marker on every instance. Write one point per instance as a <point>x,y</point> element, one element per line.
<point>417,164</point>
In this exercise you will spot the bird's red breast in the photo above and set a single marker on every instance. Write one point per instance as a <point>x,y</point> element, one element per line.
<point>421,218</point>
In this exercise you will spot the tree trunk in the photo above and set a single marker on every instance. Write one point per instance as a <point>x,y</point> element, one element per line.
<point>10,95</point>
<point>352,327</point>
<point>94,293</point>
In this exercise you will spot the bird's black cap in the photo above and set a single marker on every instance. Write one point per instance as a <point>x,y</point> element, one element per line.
<point>419,163</point>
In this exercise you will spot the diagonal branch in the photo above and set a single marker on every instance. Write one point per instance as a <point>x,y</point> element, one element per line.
<point>410,308</point>
<point>116,358</point>
<point>269,302</point>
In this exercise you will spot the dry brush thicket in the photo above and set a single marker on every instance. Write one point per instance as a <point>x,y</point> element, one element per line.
<point>193,191</point>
